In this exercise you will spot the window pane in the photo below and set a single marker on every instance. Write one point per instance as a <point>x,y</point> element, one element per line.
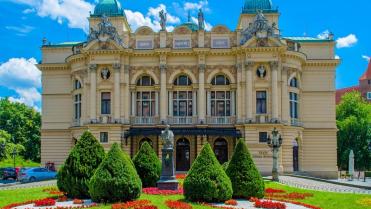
<point>263,137</point>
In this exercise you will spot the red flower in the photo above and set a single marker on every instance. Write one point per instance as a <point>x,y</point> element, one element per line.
<point>138,204</point>
<point>44,202</point>
<point>181,176</point>
<point>230,202</point>
<point>177,205</point>
<point>156,191</point>
<point>271,191</point>
<point>78,202</point>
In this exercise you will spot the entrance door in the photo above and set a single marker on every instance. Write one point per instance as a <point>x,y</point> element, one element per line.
<point>182,155</point>
<point>221,150</point>
<point>295,158</point>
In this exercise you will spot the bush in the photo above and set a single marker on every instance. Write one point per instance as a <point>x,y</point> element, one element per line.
<point>245,177</point>
<point>207,181</point>
<point>147,165</point>
<point>79,167</point>
<point>225,165</point>
<point>116,179</point>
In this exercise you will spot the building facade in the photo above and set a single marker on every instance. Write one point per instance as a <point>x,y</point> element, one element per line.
<point>209,86</point>
<point>364,86</point>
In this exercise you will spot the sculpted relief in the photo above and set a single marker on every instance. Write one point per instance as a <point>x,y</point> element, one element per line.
<point>105,32</point>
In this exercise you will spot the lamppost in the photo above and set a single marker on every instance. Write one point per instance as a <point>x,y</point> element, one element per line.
<point>275,142</point>
<point>14,154</point>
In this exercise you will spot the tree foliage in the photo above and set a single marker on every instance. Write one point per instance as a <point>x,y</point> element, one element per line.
<point>7,147</point>
<point>116,179</point>
<point>245,177</point>
<point>23,124</point>
<point>353,117</point>
<point>207,181</point>
<point>79,167</point>
<point>147,165</point>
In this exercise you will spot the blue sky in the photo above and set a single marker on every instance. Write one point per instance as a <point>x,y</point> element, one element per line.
<point>23,24</point>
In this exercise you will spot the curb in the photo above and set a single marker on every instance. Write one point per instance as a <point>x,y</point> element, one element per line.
<point>8,185</point>
<point>331,182</point>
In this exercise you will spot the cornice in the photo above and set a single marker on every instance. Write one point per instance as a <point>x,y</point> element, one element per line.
<point>53,66</point>
<point>322,63</point>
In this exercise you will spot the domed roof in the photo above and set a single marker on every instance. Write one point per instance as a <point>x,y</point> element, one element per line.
<point>192,26</point>
<point>108,8</point>
<point>252,6</point>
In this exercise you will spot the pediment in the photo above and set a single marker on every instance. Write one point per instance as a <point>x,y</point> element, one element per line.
<point>144,31</point>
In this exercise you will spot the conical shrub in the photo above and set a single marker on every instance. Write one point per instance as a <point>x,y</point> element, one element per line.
<point>80,165</point>
<point>148,165</point>
<point>245,177</point>
<point>207,181</point>
<point>116,179</point>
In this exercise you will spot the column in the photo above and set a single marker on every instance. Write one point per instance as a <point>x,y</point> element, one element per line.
<point>208,93</point>
<point>170,103</point>
<point>285,96</point>
<point>233,100</point>
<point>117,92</point>
<point>239,94</point>
<point>133,104</point>
<point>201,94</point>
<point>156,104</point>
<point>127,94</point>
<point>163,95</point>
<point>274,70</point>
<point>249,91</point>
<point>93,96</point>
<point>194,103</point>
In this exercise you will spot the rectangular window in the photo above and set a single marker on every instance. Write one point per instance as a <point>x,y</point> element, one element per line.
<point>103,137</point>
<point>294,105</point>
<point>182,103</point>
<point>146,104</point>
<point>261,102</point>
<point>77,106</point>
<point>368,95</point>
<point>220,103</point>
<point>263,137</point>
<point>144,44</point>
<point>106,103</point>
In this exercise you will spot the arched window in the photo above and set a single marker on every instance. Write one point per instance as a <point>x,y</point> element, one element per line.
<point>220,80</point>
<point>183,80</point>
<point>149,141</point>
<point>221,150</point>
<point>294,82</point>
<point>145,81</point>
<point>77,84</point>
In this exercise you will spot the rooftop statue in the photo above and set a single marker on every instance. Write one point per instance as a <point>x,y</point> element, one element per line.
<point>201,20</point>
<point>163,19</point>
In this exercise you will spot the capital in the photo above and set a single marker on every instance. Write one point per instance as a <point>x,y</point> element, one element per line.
<point>249,64</point>
<point>116,66</point>
<point>163,67</point>
<point>274,64</point>
<point>93,67</point>
<point>201,67</point>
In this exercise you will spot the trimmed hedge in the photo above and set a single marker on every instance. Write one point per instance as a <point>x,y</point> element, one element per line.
<point>245,177</point>
<point>116,179</point>
<point>147,165</point>
<point>207,181</point>
<point>79,167</point>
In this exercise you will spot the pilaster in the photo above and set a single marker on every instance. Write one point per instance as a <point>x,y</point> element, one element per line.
<point>274,70</point>
<point>117,91</point>
<point>249,91</point>
<point>93,90</point>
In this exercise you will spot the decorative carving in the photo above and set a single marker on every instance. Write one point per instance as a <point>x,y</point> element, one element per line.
<point>220,29</point>
<point>202,67</point>
<point>260,28</point>
<point>116,66</point>
<point>93,67</point>
<point>106,31</point>
<point>261,72</point>
<point>163,17</point>
<point>249,65</point>
<point>105,74</point>
<point>274,65</point>
<point>201,20</point>
<point>163,67</point>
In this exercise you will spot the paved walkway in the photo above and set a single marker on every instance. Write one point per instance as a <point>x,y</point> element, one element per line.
<point>319,185</point>
<point>31,185</point>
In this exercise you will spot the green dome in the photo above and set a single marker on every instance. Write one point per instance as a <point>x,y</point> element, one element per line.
<point>252,6</point>
<point>108,8</point>
<point>192,26</point>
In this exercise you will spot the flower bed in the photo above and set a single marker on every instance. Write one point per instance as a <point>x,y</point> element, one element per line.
<point>44,202</point>
<point>230,202</point>
<point>14,205</point>
<point>156,191</point>
<point>267,204</point>
<point>177,204</point>
<point>78,202</point>
<point>273,191</point>
<point>137,204</point>
<point>62,199</point>
<point>53,191</point>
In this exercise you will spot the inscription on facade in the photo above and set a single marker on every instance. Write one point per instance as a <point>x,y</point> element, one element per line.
<point>220,43</point>
<point>182,44</point>
<point>144,44</point>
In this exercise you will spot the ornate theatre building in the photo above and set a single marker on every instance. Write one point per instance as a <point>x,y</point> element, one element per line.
<point>209,86</point>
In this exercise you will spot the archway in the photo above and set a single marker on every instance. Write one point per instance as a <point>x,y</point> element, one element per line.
<point>183,160</point>
<point>221,150</point>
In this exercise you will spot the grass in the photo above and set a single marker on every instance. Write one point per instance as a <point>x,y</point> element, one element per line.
<point>19,162</point>
<point>325,200</point>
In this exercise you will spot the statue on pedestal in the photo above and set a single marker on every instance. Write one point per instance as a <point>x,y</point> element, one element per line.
<point>275,143</point>
<point>167,180</point>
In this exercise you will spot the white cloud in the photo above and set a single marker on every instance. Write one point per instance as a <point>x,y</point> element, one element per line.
<point>75,12</point>
<point>21,30</point>
<point>366,58</point>
<point>199,5</point>
<point>23,77</point>
<point>324,35</point>
<point>347,41</point>
<point>337,57</point>
<point>208,26</point>
<point>28,11</point>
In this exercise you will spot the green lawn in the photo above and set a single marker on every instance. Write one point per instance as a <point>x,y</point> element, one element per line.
<point>326,200</point>
<point>19,162</point>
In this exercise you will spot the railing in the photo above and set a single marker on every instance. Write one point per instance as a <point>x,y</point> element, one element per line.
<point>221,120</point>
<point>296,122</point>
<point>144,120</point>
<point>76,123</point>
<point>179,120</point>
<point>262,118</point>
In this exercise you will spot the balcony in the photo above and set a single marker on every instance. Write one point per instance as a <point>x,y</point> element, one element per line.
<point>144,120</point>
<point>186,120</point>
<point>221,120</point>
<point>76,123</point>
<point>296,122</point>
<point>262,118</point>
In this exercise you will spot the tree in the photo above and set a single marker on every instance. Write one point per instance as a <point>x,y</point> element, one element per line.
<point>7,147</point>
<point>116,179</point>
<point>207,181</point>
<point>245,177</point>
<point>23,124</point>
<point>79,167</point>
<point>147,165</point>
<point>353,117</point>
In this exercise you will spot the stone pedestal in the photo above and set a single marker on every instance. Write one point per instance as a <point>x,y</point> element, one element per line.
<point>168,180</point>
